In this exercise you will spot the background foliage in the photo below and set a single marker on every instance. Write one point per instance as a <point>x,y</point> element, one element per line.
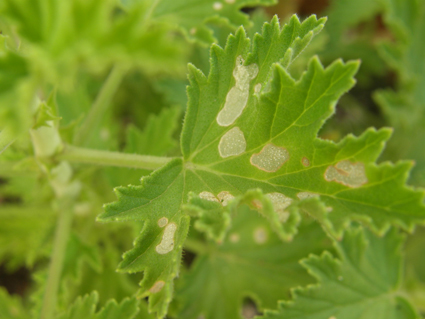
<point>94,96</point>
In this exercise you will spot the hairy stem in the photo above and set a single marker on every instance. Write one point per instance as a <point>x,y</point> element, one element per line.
<point>90,156</point>
<point>56,264</point>
<point>101,104</point>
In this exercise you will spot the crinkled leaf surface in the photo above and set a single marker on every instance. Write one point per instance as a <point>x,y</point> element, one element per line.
<point>269,144</point>
<point>85,307</point>
<point>361,283</point>
<point>252,262</point>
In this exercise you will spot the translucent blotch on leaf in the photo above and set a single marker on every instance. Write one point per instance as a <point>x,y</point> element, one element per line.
<point>257,88</point>
<point>224,197</point>
<point>271,158</point>
<point>208,196</point>
<point>238,95</point>
<point>167,243</point>
<point>162,221</point>
<point>232,143</point>
<point>280,203</point>
<point>347,173</point>
<point>157,287</point>
<point>305,161</point>
<point>217,6</point>
<point>260,235</point>
<point>304,195</point>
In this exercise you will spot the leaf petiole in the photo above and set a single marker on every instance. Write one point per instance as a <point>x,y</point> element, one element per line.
<point>108,158</point>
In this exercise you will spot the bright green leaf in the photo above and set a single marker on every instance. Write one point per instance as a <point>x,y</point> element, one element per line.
<point>158,201</point>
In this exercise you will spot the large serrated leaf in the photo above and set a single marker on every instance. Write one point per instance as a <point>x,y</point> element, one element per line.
<point>362,283</point>
<point>251,125</point>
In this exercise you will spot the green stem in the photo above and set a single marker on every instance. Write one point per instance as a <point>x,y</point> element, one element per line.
<point>101,104</point>
<point>196,246</point>
<point>90,156</point>
<point>56,264</point>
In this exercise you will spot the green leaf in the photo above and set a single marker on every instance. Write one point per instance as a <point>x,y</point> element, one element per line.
<point>192,17</point>
<point>85,307</point>
<point>11,307</point>
<point>281,118</point>
<point>270,144</point>
<point>157,250</point>
<point>213,219</point>
<point>158,202</point>
<point>25,232</point>
<point>405,107</point>
<point>157,136</point>
<point>362,283</point>
<point>252,262</point>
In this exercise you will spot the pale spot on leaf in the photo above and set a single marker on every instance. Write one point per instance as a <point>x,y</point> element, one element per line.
<point>224,197</point>
<point>230,1</point>
<point>167,243</point>
<point>347,173</point>
<point>208,196</point>
<point>157,287</point>
<point>162,221</point>
<point>305,161</point>
<point>193,31</point>
<point>257,88</point>
<point>217,6</point>
<point>271,158</point>
<point>232,143</point>
<point>280,203</point>
<point>234,238</point>
<point>304,195</point>
<point>238,95</point>
<point>260,235</point>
